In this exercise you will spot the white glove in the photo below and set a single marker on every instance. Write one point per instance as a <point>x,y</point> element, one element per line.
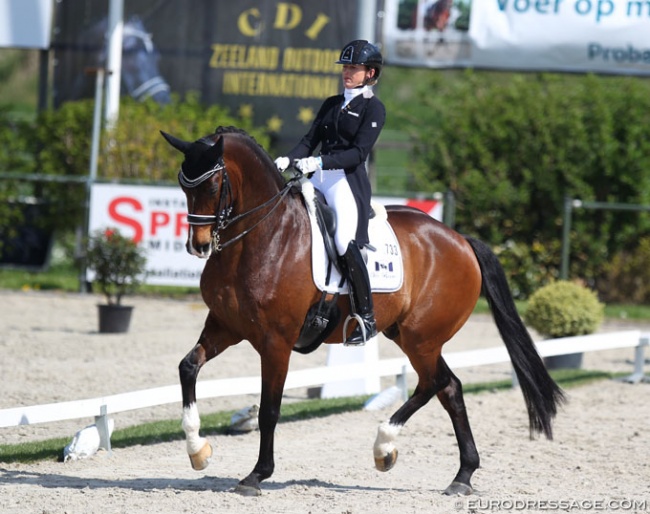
<point>309,164</point>
<point>282,163</point>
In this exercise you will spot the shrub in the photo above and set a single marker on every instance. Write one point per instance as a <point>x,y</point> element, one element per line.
<point>528,266</point>
<point>118,262</point>
<point>563,309</point>
<point>136,150</point>
<point>58,142</point>
<point>627,276</point>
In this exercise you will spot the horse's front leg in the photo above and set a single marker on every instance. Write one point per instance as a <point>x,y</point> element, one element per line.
<point>275,364</point>
<point>211,343</point>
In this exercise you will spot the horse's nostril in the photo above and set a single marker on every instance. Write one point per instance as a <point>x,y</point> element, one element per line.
<point>199,250</point>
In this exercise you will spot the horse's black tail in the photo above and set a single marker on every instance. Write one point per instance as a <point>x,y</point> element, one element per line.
<point>541,393</point>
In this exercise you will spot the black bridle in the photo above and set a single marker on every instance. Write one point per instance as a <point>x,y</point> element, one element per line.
<point>222,218</point>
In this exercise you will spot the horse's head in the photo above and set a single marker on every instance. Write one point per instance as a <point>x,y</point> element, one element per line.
<point>140,75</point>
<point>205,183</point>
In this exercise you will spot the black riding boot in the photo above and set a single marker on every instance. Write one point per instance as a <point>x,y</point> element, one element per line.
<point>361,297</point>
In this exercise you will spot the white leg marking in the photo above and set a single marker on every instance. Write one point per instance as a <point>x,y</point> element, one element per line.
<point>191,425</point>
<point>385,442</point>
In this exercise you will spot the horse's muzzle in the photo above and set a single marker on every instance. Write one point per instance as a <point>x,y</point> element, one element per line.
<point>203,251</point>
<point>196,245</point>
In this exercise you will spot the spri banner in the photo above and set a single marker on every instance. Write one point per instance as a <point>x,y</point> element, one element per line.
<point>154,217</point>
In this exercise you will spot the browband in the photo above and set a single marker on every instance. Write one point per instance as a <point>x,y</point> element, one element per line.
<point>193,182</point>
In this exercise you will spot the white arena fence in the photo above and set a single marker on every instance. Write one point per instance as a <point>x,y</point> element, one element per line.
<point>101,407</point>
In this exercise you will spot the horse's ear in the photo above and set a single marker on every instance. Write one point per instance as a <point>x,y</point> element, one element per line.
<point>179,144</point>
<point>216,150</point>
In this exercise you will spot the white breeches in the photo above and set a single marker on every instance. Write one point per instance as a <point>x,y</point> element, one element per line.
<point>337,192</point>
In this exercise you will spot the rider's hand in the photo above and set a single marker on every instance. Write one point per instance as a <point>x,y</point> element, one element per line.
<point>282,163</point>
<point>309,164</point>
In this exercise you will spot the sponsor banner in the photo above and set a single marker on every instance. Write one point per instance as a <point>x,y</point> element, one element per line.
<point>604,36</point>
<point>155,217</point>
<point>427,33</point>
<point>272,61</point>
<point>25,24</point>
<point>600,36</point>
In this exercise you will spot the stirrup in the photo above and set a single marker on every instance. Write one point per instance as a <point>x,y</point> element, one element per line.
<point>362,327</point>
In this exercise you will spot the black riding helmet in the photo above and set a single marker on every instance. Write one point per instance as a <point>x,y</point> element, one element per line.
<point>364,53</point>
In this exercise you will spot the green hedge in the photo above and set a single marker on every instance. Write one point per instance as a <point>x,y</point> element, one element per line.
<point>58,142</point>
<point>511,147</point>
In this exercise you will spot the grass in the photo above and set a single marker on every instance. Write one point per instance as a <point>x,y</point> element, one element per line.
<point>64,277</point>
<point>218,423</point>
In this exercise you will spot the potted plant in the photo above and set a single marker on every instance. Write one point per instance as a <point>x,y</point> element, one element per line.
<point>564,309</point>
<point>118,264</point>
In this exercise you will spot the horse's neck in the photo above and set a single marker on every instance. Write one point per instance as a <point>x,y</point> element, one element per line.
<point>262,193</point>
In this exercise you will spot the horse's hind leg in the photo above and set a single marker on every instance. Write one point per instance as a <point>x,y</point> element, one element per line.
<point>198,448</point>
<point>429,384</point>
<point>445,384</point>
<point>451,398</point>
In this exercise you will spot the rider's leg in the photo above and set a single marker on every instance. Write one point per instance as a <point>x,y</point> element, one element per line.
<point>357,275</point>
<point>336,189</point>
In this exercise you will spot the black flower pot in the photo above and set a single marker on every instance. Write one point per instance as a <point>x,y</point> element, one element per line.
<point>567,361</point>
<point>114,319</point>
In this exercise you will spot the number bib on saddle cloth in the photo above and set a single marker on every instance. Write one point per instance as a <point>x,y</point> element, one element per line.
<point>385,266</point>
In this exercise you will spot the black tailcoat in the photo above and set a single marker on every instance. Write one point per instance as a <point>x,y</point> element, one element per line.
<point>346,137</point>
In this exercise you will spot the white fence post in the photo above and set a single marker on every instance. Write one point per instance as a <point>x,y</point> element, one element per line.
<point>101,422</point>
<point>339,355</point>
<point>639,361</point>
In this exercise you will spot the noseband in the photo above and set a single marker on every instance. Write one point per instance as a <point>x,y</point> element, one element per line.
<point>222,220</point>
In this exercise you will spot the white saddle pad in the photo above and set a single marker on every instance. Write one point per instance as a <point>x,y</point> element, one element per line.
<point>385,266</point>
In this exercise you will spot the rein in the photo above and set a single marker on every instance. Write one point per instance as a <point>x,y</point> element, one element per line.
<point>222,219</point>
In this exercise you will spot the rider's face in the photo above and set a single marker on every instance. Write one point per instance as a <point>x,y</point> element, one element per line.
<point>355,75</point>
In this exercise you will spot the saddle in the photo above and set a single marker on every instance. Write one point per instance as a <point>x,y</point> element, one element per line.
<point>326,219</point>
<point>322,317</point>
<point>384,266</point>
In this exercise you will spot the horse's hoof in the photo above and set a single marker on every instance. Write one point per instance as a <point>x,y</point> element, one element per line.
<point>201,459</point>
<point>459,489</point>
<point>249,486</point>
<point>387,463</point>
<point>248,490</point>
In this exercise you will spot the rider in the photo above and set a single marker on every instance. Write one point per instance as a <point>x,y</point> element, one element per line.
<point>347,127</point>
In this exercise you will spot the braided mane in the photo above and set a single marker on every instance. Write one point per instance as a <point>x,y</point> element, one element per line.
<point>220,130</point>
<point>235,130</point>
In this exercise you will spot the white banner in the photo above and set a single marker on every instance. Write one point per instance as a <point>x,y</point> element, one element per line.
<point>605,36</point>
<point>600,36</point>
<point>156,218</point>
<point>25,23</point>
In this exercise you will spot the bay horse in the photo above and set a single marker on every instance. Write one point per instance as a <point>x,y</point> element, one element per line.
<point>254,231</point>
